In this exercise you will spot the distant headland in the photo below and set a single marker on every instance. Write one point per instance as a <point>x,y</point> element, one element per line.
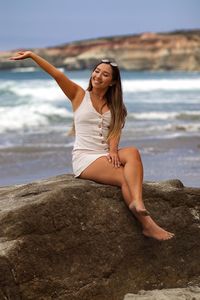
<point>178,50</point>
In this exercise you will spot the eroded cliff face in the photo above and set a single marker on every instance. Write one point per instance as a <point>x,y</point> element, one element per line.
<point>72,239</point>
<point>148,51</point>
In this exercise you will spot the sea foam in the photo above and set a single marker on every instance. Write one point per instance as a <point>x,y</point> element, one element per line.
<point>161,84</point>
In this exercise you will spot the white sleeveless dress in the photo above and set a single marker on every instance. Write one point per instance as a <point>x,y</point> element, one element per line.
<point>91,130</point>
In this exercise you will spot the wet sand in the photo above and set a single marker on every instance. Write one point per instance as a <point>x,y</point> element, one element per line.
<point>162,159</point>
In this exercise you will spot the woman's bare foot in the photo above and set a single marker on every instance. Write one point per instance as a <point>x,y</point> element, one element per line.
<point>150,228</point>
<point>138,208</point>
<point>156,232</point>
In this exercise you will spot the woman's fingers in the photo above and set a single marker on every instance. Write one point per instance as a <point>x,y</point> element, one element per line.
<point>114,160</point>
<point>116,163</point>
<point>109,158</point>
<point>20,55</point>
<point>14,58</point>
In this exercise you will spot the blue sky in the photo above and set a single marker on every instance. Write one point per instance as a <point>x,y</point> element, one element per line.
<point>41,23</point>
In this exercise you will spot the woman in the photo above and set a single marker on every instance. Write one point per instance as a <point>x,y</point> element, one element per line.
<point>99,115</point>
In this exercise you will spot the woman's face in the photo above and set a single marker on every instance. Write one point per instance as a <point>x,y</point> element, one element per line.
<point>102,76</point>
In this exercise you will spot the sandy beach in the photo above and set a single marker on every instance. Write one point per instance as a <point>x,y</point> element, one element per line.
<point>162,160</point>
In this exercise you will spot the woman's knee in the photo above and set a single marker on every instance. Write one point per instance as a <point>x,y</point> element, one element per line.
<point>134,153</point>
<point>129,154</point>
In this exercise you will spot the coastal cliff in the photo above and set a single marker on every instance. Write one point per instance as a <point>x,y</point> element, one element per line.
<point>71,239</point>
<point>148,51</point>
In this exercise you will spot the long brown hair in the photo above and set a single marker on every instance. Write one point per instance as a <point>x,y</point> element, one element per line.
<point>114,100</point>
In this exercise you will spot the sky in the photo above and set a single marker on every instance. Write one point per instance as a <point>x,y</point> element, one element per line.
<point>41,23</point>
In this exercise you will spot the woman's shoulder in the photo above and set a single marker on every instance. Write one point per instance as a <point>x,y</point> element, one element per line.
<point>79,98</point>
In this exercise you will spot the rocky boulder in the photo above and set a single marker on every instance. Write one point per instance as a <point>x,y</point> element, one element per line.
<point>69,239</point>
<point>190,293</point>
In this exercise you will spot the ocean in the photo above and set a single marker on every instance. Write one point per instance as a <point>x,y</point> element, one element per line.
<point>163,122</point>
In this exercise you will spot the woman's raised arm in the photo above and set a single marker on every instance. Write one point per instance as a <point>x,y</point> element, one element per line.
<point>70,88</point>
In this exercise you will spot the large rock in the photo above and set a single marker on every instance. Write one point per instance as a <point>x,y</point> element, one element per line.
<point>190,293</point>
<point>148,51</point>
<point>68,239</point>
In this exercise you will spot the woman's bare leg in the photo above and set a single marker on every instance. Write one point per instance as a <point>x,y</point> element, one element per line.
<point>133,172</point>
<point>103,172</point>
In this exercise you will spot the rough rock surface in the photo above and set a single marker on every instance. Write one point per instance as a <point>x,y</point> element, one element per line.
<point>69,239</point>
<point>190,293</point>
<point>148,51</point>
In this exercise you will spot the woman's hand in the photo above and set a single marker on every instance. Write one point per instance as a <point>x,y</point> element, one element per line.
<point>21,55</point>
<point>114,159</point>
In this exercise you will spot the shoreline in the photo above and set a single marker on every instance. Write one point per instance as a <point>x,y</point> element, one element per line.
<point>163,159</point>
